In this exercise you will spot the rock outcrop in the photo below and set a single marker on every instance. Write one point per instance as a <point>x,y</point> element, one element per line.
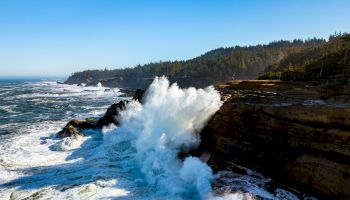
<point>73,128</point>
<point>111,114</point>
<point>138,95</point>
<point>288,131</point>
<point>70,131</point>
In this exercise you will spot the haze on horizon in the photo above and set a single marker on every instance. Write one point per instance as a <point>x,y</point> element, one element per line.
<point>57,38</point>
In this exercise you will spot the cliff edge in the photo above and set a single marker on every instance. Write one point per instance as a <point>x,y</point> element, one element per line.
<point>296,133</point>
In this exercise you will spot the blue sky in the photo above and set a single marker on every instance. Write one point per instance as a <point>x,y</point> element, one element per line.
<point>58,37</point>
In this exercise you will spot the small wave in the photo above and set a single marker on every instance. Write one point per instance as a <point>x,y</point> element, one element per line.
<point>88,92</point>
<point>9,108</point>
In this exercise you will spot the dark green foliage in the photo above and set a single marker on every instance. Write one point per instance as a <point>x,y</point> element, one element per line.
<point>329,61</point>
<point>213,67</point>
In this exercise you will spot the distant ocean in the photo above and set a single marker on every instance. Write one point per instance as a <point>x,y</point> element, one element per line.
<point>135,161</point>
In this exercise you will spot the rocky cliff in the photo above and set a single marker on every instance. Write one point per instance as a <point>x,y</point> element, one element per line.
<point>298,134</point>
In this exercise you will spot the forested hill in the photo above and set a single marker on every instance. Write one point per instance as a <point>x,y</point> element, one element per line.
<point>213,67</point>
<point>329,62</point>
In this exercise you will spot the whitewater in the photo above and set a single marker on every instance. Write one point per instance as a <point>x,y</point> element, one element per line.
<point>138,160</point>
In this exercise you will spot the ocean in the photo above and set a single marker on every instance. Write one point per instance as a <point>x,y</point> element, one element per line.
<point>137,160</point>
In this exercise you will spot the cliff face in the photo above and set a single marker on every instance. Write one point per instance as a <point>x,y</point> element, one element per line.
<point>298,134</point>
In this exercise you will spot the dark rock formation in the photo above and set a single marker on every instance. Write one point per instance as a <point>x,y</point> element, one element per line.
<point>72,127</point>
<point>70,131</point>
<point>111,114</point>
<point>138,95</point>
<point>83,124</point>
<point>286,131</point>
<point>113,111</point>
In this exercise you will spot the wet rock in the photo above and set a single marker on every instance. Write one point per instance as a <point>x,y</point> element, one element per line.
<point>306,146</point>
<point>88,123</point>
<point>111,114</point>
<point>113,111</point>
<point>74,126</point>
<point>70,131</point>
<point>138,95</point>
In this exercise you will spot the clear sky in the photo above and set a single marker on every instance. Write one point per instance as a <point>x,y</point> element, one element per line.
<point>58,37</point>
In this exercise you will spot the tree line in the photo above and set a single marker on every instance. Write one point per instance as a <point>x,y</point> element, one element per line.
<point>216,66</point>
<point>326,62</point>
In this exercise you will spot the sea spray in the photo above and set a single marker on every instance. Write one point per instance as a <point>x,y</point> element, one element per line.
<point>168,122</point>
<point>136,161</point>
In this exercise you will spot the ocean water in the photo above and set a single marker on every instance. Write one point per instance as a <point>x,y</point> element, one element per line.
<point>137,160</point>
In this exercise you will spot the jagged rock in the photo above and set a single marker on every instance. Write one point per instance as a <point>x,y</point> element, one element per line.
<point>73,126</point>
<point>113,111</point>
<point>70,131</point>
<point>111,114</point>
<point>138,95</point>
<point>88,123</point>
<point>267,126</point>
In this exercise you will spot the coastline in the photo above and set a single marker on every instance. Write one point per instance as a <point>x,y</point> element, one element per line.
<point>273,127</point>
<point>289,131</point>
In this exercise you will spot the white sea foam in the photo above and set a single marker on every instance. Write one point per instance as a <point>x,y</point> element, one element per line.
<point>69,143</point>
<point>25,150</point>
<point>36,161</point>
<point>99,85</point>
<point>138,160</point>
<point>55,90</point>
<point>234,196</point>
<point>167,123</point>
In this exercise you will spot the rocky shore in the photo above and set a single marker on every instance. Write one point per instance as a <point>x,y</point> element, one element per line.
<point>296,133</point>
<point>75,127</point>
